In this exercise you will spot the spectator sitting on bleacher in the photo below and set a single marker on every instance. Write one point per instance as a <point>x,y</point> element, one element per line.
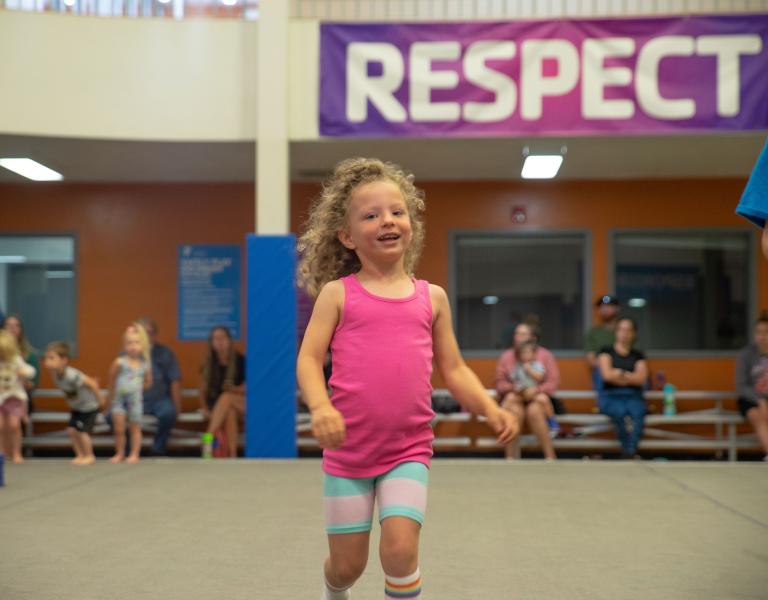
<point>624,371</point>
<point>84,398</point>
<point>163,399</point>
<point>537,406</point>
<point>752,382</point>
<point>222,389</point>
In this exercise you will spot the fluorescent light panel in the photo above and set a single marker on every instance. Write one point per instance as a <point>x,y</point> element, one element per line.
<point>12,259</point>
<point>26,167</point>
<point>541,166</point>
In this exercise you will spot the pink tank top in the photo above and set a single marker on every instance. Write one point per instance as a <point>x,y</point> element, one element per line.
<point>382,365</point>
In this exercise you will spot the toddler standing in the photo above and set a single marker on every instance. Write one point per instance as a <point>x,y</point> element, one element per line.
<point>13,396</point>
<point>129,375</point>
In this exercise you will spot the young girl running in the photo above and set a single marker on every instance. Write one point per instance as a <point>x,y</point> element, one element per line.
<point>364,237</point>
<point>129,375</point>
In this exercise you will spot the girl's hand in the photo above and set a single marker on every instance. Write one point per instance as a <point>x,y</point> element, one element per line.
<point>504,424</point>
<point>328,427</point>
<point>205,411</point>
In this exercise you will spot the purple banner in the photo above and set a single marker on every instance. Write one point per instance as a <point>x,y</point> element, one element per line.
<point>545,77</point>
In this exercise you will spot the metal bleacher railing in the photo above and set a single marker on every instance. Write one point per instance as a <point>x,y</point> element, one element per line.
<point>460,431</point>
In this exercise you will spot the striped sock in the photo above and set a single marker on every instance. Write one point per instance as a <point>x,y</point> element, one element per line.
<point>332,593</point>
<point>403,587</point>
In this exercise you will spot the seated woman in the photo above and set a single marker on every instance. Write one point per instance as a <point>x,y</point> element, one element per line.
<point>752,382</point>
<point>624,372</point>
<point>222,388</point>
<point>525,386</point>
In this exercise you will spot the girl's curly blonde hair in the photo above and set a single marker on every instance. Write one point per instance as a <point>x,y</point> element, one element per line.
<point>323,257</point>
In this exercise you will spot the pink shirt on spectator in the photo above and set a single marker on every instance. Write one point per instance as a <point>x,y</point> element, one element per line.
<point>506,366</point>
<point>382,365</point>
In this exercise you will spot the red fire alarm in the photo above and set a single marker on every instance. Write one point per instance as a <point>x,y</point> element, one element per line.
<point>519,215</point>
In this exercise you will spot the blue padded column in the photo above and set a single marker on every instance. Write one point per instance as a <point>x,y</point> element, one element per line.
<point>270,417</point>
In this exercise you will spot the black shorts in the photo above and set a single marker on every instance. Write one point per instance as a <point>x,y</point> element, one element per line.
<point>83,421</point>
<point>745,405</point>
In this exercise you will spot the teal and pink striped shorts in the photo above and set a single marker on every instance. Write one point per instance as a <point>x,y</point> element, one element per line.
<point>401,492</point>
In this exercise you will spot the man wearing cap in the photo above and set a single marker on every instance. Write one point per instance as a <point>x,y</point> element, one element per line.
<point>754,200</point>
<point>603,334</point>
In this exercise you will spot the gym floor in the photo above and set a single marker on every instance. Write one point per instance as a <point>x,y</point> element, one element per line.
<point>193,529</point>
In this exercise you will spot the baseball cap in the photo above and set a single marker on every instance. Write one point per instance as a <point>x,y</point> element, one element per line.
<point>607,299</point>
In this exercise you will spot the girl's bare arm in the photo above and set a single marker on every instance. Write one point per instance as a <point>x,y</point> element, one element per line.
<point>327,423</point>
<point>459,378</point>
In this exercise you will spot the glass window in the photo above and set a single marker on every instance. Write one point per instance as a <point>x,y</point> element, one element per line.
<point>502,279</point>
<point>688,290</point>
<point>37,282</point>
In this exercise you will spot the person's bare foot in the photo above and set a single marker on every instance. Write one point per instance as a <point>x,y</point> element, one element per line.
<point>87,460</point>
<point>132,460</point>
<point>117,458</point>
<point>76,461</point>
<point>17,459</point>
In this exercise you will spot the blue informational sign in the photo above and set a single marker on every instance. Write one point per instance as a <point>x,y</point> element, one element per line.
<point>209,284</point>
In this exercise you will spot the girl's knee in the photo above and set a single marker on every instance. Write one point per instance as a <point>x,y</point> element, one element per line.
<point>399,556</point>
<point>347,569</point>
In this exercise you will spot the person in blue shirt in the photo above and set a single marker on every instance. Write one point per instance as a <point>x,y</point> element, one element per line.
<point>163,399</point>
<point>754,200</point>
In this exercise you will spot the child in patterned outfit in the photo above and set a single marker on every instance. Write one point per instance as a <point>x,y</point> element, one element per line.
<point>129,375</point>
<point>13,396</point>
<point>382,325</point>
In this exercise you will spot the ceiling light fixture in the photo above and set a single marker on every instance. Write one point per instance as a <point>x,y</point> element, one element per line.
<point>26,167</point>
<point>541,166</point>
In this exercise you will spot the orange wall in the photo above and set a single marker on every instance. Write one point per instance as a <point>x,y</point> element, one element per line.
<point>598,206</point>
<point>128,237</point>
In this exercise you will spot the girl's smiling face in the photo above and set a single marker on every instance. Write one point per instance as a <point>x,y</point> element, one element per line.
<point>378,224</point>
<point>132,343</point>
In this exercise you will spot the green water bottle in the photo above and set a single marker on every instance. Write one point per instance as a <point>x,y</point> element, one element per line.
<point>669,400</point>
<point>207,445</point>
